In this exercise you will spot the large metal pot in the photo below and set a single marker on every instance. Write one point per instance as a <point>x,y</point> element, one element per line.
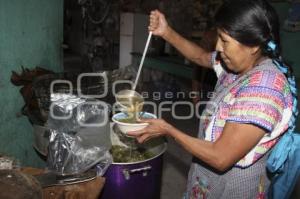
<point>136,180</point>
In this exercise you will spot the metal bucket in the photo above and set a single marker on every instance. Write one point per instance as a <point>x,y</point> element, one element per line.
<point>136,180</point>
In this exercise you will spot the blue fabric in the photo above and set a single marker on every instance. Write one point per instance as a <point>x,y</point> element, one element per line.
<point>284,163</point>
<point>284,160</point>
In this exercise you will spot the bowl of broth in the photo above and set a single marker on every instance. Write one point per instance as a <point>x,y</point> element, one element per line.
<point>127,123</point>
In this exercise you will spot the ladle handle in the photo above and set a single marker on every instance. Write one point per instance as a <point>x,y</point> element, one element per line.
<point>142,60</point>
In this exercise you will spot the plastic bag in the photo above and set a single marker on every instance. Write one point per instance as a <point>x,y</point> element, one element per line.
<point>79,135</point>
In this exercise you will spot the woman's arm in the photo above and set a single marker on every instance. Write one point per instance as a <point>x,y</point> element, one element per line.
<point>159,26</point>
<point>234,143</point>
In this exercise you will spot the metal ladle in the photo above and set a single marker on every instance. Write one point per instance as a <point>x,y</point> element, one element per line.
<point>130,99</point>
<point>125,97</point>
<point>142,60</point>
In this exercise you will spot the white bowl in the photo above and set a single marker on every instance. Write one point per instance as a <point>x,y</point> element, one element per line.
<point>128,127</point>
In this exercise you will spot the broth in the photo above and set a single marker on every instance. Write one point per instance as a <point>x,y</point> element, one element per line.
<point>130,120</point>
<point>134,120</point>
<point>125,155</point>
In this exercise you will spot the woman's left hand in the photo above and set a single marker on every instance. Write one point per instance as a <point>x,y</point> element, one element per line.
<point>156,127</point>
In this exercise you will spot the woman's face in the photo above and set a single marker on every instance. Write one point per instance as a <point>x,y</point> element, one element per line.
<point>237,57</point>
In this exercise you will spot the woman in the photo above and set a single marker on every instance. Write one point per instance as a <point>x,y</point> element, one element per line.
<point>254,102</point>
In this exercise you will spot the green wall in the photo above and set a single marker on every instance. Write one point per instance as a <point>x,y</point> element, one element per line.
<point>31,33</point>
<point>290,40</point>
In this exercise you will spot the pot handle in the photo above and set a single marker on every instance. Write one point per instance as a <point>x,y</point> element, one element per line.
<point>144,170</point>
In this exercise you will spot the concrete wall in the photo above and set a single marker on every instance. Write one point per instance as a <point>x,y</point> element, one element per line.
<point>31,34</point>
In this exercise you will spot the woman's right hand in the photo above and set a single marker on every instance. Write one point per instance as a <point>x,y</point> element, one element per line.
<point>156,127</point>
<point>158,23</point>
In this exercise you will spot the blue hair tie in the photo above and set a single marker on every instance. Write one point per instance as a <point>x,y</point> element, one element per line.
<point>280,67</point>
<point>271,45</point>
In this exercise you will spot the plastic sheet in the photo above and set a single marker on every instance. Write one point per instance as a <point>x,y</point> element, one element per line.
<point>74,130</point>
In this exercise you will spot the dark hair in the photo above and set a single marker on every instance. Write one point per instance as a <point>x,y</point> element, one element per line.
<point>250,22</point>
<point>256,23</point>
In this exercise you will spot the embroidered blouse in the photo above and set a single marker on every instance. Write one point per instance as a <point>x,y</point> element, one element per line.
<point>263,99</point>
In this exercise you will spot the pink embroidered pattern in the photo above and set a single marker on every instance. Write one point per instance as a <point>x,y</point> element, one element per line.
<point>200,189</point>
<point>259,100</point>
